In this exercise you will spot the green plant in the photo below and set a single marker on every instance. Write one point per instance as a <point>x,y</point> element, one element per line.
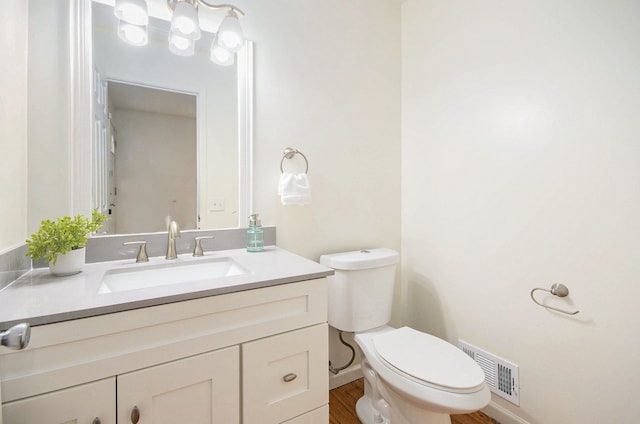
<point>62,236</point>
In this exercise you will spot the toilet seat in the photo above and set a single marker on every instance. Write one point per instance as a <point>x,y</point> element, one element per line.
<point>432,397</point>
<point>428,360</point>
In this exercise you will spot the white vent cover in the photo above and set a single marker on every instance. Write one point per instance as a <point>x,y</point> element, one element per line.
<point>500,375</point>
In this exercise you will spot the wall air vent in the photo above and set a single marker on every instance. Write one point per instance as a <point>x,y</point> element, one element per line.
<point>501,375</point>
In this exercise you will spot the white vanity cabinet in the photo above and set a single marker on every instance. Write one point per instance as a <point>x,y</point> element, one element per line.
<point>226,359</point>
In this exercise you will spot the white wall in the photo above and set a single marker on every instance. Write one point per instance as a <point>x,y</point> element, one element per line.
<point>48,111</point>
<point>521,168</point>
<point>13,123</point>
<point>35,174</point>
<point>327,82</point>
<point>35,171</point>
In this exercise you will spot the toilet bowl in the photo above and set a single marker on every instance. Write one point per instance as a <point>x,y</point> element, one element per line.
<point>423,378</point>
<point>410,377</point>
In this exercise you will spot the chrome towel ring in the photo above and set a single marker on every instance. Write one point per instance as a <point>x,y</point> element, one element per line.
<point>557,289</point>
<point>289,153</point>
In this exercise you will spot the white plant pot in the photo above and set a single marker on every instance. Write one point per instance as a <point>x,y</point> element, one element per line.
<point>68,264</point>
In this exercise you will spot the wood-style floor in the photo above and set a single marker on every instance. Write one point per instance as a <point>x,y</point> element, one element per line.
<point>342,407</point>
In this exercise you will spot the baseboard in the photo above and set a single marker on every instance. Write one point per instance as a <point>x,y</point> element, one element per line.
<point>345,376</point>
<point>502,415</point>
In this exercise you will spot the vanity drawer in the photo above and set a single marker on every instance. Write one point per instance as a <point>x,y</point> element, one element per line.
<point>284,376</point>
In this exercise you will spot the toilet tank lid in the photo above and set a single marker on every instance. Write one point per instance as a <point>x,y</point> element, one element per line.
<point>361,259</point>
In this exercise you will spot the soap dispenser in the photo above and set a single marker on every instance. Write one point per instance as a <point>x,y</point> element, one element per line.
<point>255,235</point>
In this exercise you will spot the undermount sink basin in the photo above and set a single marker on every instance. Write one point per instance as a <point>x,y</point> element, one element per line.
<point>147,276</point>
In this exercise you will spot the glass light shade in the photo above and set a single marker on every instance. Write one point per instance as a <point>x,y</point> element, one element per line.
<point>181,46</point>
<point>220,55</point>
<point>135,35</point>
<point>230,33</point>
<point>185,21</point>
<point>132,11</point>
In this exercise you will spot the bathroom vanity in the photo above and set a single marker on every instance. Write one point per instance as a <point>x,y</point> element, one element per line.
<point>249,347</point>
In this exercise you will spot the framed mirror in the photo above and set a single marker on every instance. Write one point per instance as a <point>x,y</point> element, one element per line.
<point>193,162</point>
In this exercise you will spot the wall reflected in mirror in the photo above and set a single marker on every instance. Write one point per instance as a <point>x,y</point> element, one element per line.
<point>162,156</point>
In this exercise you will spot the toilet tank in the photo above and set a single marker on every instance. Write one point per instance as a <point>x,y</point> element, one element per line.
<point>360,293</point>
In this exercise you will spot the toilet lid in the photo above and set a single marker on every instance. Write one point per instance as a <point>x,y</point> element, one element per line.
<point>429,359</point>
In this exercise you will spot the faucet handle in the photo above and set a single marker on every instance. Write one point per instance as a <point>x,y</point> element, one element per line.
<point>197,251</point>
<point>142,252</point>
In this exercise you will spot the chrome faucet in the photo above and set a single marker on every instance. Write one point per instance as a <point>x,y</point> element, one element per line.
<point>173,231</point>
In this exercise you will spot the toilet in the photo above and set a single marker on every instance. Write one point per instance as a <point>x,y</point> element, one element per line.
<point>410,377</point>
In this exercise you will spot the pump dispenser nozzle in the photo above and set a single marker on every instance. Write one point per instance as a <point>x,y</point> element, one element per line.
<point>254,220</point>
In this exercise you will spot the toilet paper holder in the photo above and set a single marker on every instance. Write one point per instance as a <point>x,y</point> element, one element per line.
<point>557,289</point>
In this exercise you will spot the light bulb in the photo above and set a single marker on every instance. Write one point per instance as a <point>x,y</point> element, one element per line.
<point>181,46</point>
<point>132,11</point>
<point>220,55</point>
<point>185,21</point>
<point>230,32</point>
<point>133,34</point>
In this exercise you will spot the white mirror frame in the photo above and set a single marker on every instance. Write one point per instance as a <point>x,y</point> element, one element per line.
<point>82,114</point>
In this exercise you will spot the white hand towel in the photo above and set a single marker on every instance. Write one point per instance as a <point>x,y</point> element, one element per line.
<point>294,189</point>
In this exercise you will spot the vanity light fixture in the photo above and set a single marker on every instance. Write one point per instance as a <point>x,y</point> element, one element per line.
<point>230,32</point>
<point>132,11</point>
<point>220,55</point>
<point>133,19</point>
<point>133,34</point>
<point>182,46</point>
<point>185,27</point>
<point>184,21</point>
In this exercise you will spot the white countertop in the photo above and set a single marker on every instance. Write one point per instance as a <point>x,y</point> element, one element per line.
<point>40,298</point>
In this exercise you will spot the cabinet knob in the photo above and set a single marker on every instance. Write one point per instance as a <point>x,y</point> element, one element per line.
<point>96,420</point>
<point>135,415</point>
<point>289,377</point>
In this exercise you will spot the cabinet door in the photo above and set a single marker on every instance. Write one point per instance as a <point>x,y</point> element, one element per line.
<point>80,404</point>
<point>202,389</point>
<point>285,376</point>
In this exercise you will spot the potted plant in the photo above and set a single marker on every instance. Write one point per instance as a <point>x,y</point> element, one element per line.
<point>62,243</point>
